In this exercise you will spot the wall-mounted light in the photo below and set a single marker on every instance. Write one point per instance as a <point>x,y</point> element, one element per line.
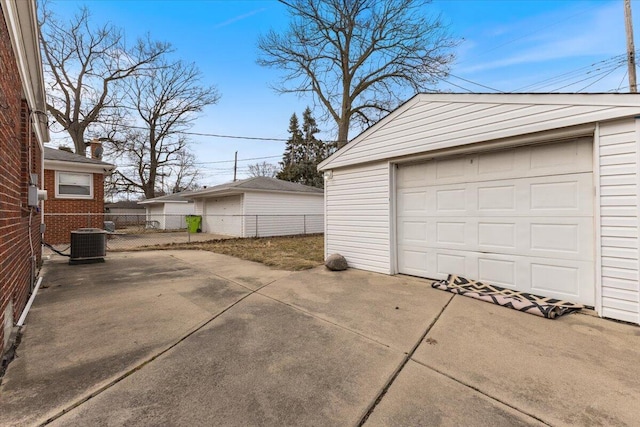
<point>328,174</point>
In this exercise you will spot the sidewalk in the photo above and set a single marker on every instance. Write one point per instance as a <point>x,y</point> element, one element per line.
<point>196,338</point>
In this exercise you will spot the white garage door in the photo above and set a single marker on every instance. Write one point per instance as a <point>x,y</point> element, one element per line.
<point>520,218</point>
<point>223,215</point>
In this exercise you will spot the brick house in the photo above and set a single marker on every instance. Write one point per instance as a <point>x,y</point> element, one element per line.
<point>75,186</point>
<point>23,131</point>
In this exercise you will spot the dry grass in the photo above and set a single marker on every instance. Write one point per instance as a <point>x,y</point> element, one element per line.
<point>285,253</point>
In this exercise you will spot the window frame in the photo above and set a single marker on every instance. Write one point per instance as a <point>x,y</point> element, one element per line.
<point>74,196</point>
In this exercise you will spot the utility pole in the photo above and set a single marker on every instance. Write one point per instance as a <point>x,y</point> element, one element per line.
<point>631,50</point>
<point>235,167</point>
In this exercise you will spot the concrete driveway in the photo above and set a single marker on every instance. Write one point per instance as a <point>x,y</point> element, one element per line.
<point>196,338</point>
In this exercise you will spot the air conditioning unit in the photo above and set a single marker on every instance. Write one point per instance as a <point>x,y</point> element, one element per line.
<point>88,245</point>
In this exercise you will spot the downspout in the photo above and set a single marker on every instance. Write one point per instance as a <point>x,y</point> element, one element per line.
<point>23,316</point>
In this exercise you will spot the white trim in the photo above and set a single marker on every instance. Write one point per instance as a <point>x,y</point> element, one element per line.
<point>389,117</point>
<point>162,202</point>
<point>570,132</point>
<point>19,16</point>
<point>57,165</point>
<point>599,99</point>
<point>73,196</point>
<point>325,220</point>
<point>393,214</point>
<point>597,220</point>
<point>637,120</point>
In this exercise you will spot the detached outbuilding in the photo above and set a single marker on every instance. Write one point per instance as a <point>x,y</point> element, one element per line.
<point>534,192</point>
<point>168,212</point>
<point>259,207</point>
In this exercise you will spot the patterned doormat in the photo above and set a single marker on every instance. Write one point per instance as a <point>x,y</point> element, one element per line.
<point>522,301</point>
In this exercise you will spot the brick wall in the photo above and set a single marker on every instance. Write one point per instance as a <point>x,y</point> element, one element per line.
<point>65,215</point>
<point>17,265</point>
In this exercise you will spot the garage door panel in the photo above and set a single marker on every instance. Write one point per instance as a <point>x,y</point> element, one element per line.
<point>541,160</point>
<point>497,163</point>
<point>568,157</point>
<point>562,238</point>
<point>451,233</point>
<point>498,236</point>
<point>412,202</point>
<point>501,272</point>
<point>413,232</point>
<point>415,261</point>
<point>450,200</point>
<point>493,198</point>
<point>531,232</point>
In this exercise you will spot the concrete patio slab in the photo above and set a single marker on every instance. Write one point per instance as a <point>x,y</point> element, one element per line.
<point>423,397</point>
<point>94,322</point>
<point>196,338</point>
<point>393,310</point>
<point>253,275</point>
<point>575,370</point>
<point>262,363</point>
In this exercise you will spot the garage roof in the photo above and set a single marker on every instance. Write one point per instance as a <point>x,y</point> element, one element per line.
<point>261,183</point>
<point>430,122</point>
<point>169,198</point>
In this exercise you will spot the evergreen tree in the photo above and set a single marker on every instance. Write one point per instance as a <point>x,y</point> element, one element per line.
<point>291,156</point>
<point>303,152</point>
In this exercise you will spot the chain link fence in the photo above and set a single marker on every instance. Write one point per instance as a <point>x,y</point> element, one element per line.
<point>131,231</point>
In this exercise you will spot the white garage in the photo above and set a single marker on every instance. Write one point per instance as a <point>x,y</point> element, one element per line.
<point>259,207</point>
<point>167,212</point>
<point>537,193</point>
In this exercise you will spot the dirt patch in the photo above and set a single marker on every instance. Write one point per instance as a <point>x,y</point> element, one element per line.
<point>284,252</point>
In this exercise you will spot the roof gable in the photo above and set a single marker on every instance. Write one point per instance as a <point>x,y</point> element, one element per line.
<point>435,121</point>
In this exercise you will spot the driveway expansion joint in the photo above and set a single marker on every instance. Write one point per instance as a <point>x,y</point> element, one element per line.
<point>315,316</point>
<point>403,363</point>
<point>478,390</point>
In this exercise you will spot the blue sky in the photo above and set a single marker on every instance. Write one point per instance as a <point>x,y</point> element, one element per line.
<point>528,46</point>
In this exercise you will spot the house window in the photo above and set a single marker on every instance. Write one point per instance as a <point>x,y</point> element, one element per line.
<point>74,185</point>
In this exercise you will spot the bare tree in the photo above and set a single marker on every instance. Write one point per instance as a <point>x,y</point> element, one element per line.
<point>166,100</point>
<point>263,169</point>
<point>83,63</point>
<point>358,57</point>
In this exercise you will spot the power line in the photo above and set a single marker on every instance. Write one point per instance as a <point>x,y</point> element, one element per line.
<point>477,84</point>
<point>606,72</point>
<point>596,81</point>
<point>613,61</point>
<point>213,135</point>
<point>219,161</point>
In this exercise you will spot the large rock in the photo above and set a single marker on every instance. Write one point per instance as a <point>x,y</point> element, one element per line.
<point>336,262</point>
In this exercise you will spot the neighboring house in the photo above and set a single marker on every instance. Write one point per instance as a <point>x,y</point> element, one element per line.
<point>260,206</point>
<point>124,212</point>
<point>535,192</point>
<point>167,212</point>
<point>23,131</point>
<point>75,186</point>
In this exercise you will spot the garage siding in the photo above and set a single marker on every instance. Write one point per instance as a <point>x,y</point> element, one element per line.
<point>418,126</point>
<point>619,180</point>
<point>282,214</point>
<point>358,227</point>
<point>156,213</point>
<point>175,215</point>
